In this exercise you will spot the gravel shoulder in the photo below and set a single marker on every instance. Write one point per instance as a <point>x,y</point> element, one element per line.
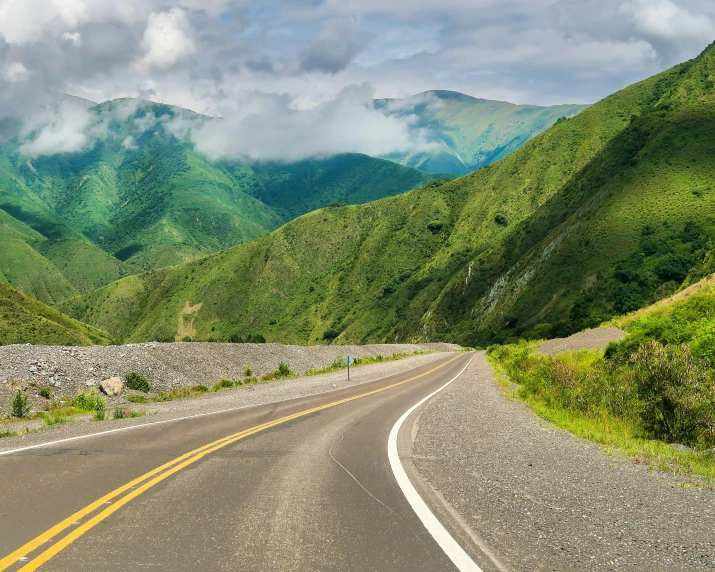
<point>589,340</point>
<point>70,370</point>
<point>208,403</point>
<point>540,498</point>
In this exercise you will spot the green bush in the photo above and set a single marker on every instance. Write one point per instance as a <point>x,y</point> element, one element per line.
<point>137,382</point>
<point>677,394</point>
<point>247,371</point>
<point>20,405</point>
<point>663,389</point>
<point>283,371</point>
<point>44,391</point>
<point>90,402</point>
<point>200,388</point>
<point>137,399</point>
<point>224,383</point>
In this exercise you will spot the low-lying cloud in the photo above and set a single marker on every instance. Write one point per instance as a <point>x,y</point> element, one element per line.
<point>269,127</point>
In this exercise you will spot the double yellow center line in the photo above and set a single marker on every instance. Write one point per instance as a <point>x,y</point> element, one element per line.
<point>152,478</point>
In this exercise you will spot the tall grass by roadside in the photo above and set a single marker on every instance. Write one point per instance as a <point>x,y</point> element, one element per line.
<point>643,403</point>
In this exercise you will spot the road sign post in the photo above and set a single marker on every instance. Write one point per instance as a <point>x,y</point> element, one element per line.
<point>349,361</point>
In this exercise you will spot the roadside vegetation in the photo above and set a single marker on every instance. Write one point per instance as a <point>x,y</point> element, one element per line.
<point>651,395</point>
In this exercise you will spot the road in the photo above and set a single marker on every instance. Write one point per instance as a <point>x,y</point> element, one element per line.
<point>304,484</point>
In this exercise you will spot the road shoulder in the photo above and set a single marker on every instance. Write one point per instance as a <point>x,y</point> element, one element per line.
<point>211,403</point>
<point>539,498</point>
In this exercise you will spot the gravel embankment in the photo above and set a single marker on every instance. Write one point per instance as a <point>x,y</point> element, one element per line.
<point>213,402</point>
<point>588,340</point>
<point>69,370</point>
<point>541,498</point>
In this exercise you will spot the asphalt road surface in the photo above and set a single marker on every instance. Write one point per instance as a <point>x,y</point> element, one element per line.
<point>304,484</point>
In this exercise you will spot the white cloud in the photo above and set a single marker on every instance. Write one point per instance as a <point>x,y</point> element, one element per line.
<point>62,129</point>
<point>167,40</point>
<point>15,72</point>
<point>269,127</point>
<point>129,144</point>
<point>74,38</point>
<point>666,20</point>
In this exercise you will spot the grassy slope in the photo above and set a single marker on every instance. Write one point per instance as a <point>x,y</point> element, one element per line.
<point>608,241</point>
<point>476,132</point>
<point>305,186</point>
<point>435,263</point>
<point>108,212</point>
<point>25,320</point>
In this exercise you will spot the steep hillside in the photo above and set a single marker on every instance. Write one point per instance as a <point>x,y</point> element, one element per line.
<point>25,320</point>
<point>299,188</point>
<point>141,198</point>
<point>599,214</point>
<point>469,133</point>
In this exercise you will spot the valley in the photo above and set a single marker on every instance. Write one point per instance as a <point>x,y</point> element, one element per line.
<point>569,230</point>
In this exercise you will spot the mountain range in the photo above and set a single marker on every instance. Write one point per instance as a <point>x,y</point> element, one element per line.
<point>139,197</point>
<point>599,215</point>
<point>468,132</point>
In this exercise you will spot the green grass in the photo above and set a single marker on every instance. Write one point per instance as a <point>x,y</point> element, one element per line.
<point>636,405</point>
<point>72,223</point>
<point>25,320</point>
<point>589,219</point>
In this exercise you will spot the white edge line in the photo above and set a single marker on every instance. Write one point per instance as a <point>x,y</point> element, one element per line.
<point>449,545</point>
<point>155,423</point>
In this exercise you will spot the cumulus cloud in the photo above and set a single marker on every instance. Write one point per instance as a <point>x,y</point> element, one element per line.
<point>15,72</point>
<point>167,40</point>
<point>61,129</point>
<point>269,127</point>
<point>337,44</point>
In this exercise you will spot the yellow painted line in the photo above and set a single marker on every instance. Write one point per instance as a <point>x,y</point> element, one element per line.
<point>173,467</point>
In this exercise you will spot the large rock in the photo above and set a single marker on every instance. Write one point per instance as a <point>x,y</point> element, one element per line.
<point>111,386</point>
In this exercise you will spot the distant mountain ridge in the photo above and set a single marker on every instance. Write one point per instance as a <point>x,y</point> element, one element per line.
<point>469,132</point>
<point>140,198</point>
<point>599,215</point>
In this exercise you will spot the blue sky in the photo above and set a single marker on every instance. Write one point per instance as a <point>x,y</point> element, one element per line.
<point>198,53</point>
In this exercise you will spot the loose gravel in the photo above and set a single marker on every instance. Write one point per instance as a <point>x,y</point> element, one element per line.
<point>588,340</point>
<point>244,396</point>
<point>543,499</point>
<point>69,370</point>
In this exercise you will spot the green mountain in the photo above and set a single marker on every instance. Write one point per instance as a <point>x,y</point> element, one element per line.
<point>25,320</point>
<point>601,213</point>
<point>141,198</point>
<point>467,133</point>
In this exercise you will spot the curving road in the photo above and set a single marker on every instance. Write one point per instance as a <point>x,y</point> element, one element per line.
<point>304,484</point>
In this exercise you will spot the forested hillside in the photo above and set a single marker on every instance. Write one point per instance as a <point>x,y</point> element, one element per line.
<point>598,215</point>
<point>142,198</point>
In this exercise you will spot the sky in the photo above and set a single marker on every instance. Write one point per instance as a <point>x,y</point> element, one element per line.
<point>304,61</point>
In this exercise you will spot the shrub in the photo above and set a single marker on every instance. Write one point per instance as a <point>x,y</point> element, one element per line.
<point>330,334</point>
<point>501,219</point>
<point>247,371</point>
<point>224,383</point>
<point>44,391</point>
<point>435,226</point>
<point>250,379</point>
<point>200,388</point>
<point>137,382</point>
<point>20,405</point>
<point>137,399</point>
<point>677,393</point>
<point>89,402</point>
<point>283,371</point>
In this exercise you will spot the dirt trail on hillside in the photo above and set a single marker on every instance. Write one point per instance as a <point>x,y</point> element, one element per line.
<point>589,340</point>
